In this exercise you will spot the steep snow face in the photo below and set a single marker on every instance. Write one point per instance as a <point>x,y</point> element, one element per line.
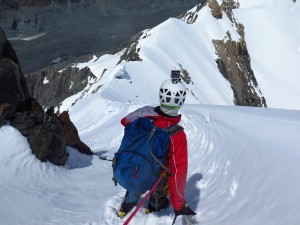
<point>273,39</point>
<point>243,169</point>
<point>177,45</point>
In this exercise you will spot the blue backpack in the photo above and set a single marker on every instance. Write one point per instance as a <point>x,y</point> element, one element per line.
<point>139,160</point>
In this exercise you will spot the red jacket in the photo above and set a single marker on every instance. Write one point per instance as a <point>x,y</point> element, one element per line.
<point>178,157</point>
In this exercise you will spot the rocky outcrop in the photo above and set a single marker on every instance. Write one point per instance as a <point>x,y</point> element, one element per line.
<point>13,87</point>
<point>234,61</point>
<point>2,41</point>
<point>71,134</point>
<point>215,9</point>
<point>234,65</point>
<point>10,87</point>
<point>185,76</point>
<point>131,52</point>
<point>6,112</point>
<point>44,131</point>
<point>191,16</point>
<point>50,87</point>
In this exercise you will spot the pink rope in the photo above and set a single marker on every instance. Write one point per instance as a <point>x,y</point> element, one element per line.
<point>144,200</point>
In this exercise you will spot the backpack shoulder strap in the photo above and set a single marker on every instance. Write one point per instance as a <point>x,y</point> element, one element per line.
<point>171,130</point>
<point>174,129</point>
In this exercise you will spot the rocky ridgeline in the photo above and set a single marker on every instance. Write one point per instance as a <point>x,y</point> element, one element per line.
<point>234,61</point>
<point>47,134</point>
<point>50,87</point>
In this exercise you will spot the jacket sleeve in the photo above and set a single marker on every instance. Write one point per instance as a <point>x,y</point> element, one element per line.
<point>178,164</point>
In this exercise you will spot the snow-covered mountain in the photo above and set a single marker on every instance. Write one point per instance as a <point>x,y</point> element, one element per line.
<point>243,161</point>
<point>245,54</point>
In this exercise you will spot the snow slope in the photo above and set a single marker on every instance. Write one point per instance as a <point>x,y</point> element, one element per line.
<point>243,169</point>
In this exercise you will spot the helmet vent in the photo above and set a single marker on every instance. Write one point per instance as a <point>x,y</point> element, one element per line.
<point>172,94</point>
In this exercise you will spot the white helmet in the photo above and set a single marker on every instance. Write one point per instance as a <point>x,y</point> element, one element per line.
<point>172,93</point>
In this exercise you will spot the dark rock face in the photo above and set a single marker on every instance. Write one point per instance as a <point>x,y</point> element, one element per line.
<point>71,134</point>
<point>6,112</point>
<point>2,41</point>
<point>191,17</point>
<point>215,9</point>
<point>131,52</point>
<point>13,88</point>
<point>51,87</point>
<point>235,63</point>
<point>8,100</point>
<point>44,131</point>
<point>44,134</point>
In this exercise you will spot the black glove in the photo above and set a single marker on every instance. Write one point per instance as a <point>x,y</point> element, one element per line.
<point>185,210</point>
